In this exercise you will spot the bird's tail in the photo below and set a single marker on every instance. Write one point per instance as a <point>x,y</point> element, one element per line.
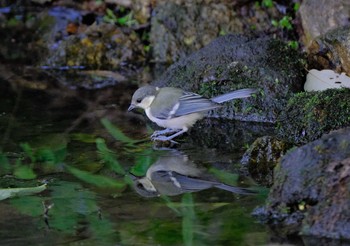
<point>242,93</point>
<point>234,189</point>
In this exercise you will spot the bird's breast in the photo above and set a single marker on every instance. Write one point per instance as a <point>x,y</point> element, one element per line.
<point>181,122</point>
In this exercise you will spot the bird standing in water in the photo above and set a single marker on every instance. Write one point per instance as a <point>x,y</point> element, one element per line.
<point>178,110</point>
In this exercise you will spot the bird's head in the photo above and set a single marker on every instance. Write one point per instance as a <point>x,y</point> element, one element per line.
<point>143,186</point>
<point>143,97</point>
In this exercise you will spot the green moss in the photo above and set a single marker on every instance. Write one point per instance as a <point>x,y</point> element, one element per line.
<point>310,114</point>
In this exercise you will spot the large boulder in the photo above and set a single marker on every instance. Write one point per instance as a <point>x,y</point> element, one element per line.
<point>234,61</point>
<point>320,16</point>
<point>311,190</point>
<point>181,27</point>
<point>261,157</point>
<point>331,50</point>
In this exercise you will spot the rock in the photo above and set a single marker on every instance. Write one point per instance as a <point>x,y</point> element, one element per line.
<point>262,156</point>
<point>100,46</point>
<point>311,190</point>
<point>61,39</point>
<point>142,10</point>
<point>308,115</point>
<point>320,16</point>
<point>181,27</point>
<point>331,50</point>
<point>225,135</point>
<point>234,61</point>
<point>220,134</point>
<point>21,41</point>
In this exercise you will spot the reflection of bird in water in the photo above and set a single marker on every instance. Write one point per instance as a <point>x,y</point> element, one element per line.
<point>176,174</point>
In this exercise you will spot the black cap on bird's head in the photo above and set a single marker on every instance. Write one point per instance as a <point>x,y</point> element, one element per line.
<point>140,94</point>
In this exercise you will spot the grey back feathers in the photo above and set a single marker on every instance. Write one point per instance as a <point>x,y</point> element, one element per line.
<point>193,103</point>
<point>173,102</point>
<point>165,101</point>
<point>242,93</point>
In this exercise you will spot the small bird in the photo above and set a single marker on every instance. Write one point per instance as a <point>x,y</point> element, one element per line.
<point>176,174</point>
<point>178,110</point>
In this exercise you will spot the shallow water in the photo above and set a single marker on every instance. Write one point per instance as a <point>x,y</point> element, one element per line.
<point>91,154</point>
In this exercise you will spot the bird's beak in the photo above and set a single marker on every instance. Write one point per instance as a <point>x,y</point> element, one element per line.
<point>133,177</point>
<point>131,107</point>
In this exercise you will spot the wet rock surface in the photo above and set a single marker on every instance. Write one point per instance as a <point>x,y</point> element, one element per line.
<point>100,46</point>
<point>331,50</point>
<point>262,156</point>
<point>311,190</point>
<point>65,40</point>
<point>235,61</point>
<point>224,134</point>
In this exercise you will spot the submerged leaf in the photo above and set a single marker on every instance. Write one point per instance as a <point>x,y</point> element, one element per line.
<point>116,133</point>
<point>29,151</point>
<point>13,192</point>
<point>172,205</point>
<point>188,218</point>
<point>108,156</point>
<point>5,166</point>
<point>24,172</point>
<point>143,162</point>
<point>84,138</point>
<point>224,176</point>
<point>95,179</point>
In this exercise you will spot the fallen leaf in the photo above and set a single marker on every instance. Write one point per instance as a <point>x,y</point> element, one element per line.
<point>325,79</point>
<point>13,192</point>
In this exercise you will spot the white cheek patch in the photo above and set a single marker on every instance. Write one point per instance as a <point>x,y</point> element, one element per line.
<point>146,102</point>
<point>148,185</point>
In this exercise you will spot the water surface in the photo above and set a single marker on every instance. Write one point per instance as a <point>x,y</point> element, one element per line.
<point>90,152</point>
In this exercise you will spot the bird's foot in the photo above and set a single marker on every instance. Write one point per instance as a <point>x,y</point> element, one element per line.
<point>161,132</point>
<point>164,139</point>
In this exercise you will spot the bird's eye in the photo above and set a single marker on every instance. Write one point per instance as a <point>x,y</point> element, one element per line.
<point>138,100</point>
<point>139,185</point>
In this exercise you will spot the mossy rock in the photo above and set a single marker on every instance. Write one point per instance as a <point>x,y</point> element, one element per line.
<point>100,46</point>
<point>262,156</point>
<point>311,190</point>
<point>308,115</point>
<point>234,61</point>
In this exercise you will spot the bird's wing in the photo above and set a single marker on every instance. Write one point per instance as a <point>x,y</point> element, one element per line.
<point>171,102</point>
<point>165,102</point>
<point>180,182</point>
<point>193,103</point>
<point>192,184</point>
<point>173,183</point>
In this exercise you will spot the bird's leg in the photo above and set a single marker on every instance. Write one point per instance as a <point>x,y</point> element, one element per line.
<point>162,132</point>
<point>169,138</point>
